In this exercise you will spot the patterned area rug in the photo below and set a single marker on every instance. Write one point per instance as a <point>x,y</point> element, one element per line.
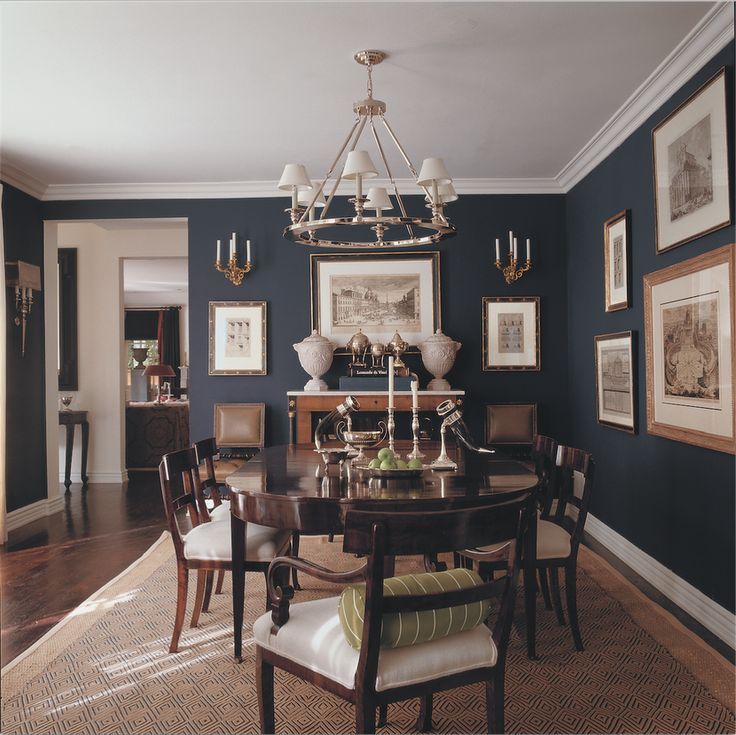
<point>105,669</point>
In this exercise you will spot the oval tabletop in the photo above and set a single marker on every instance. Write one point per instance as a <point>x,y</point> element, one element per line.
<point>284,486</point>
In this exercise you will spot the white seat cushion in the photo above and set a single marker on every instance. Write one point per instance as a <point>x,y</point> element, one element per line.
<point>313,638</point>
<point>211,541</point>
<point>221,512</point>
<point>553,541</point>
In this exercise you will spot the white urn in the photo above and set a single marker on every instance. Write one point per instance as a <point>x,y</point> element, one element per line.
<point>438,356</point>
<point>315,356</point>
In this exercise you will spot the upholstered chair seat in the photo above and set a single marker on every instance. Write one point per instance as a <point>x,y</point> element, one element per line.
<point>211,542</point>
<point>553,541</point>
<point>225,466</point>
<point>221,512</point>
<point>314,639</point>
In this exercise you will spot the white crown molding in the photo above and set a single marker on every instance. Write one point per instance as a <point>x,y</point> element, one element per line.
<point>18,178</point>
<point>699,606</point>
<point>705,40</point>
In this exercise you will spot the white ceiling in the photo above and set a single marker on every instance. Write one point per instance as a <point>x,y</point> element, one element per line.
<point>155,276</point>
<point>128,92</point>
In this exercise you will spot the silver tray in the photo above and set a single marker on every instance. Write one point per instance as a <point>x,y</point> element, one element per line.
<point>391,473</point>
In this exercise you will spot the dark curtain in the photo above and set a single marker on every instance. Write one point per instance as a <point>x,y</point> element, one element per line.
<point>141,324</point>
<point>168,342</point>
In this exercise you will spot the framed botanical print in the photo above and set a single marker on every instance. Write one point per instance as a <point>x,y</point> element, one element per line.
<point>379,294</point>
<point>615,380</point>
<point>690,350</point>
<point>237,338</point>
<point>511,333</point>
<point>691,182</point>
<point>616,255</point>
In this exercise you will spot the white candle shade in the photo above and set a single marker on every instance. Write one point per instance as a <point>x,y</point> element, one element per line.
<point>446,193</point>
<point>433,169</point>
<point>378,198</point>
<point>305,197</point>
<point>359,163</point>
<point>294,175</point>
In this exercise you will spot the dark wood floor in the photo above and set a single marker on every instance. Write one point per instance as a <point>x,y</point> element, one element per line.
<point>50,566</point>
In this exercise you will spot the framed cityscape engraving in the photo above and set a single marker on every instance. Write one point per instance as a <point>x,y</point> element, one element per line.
<point>511,333</point>
<point>690,350</point>
<point>616,251</point>
<point>237,338</point>
<point>378,294</point>
<point>615,380</point>
<point>691,183</point>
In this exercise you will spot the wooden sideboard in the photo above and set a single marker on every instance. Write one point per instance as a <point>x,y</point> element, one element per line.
<point>303,404</point>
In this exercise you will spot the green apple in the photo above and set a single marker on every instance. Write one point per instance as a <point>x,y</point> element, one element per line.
<point>385,453</point>
<point>415,464</point>
<point>400,464</point>
<point>388,464</point>
<point>375,464</point>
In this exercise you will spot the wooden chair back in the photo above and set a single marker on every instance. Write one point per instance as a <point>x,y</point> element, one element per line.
<point>575,470</point>
<point>206,451</point>
<point>544,454</point>
<point>381,534</point>
<point>181,488</point>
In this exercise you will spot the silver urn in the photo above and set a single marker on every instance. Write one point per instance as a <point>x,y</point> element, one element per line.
<point>315,356</point>
<point>438,356</point>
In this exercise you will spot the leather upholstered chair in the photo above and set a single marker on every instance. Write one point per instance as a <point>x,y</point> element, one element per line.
<point>511,425</point>
<point>239,430</point>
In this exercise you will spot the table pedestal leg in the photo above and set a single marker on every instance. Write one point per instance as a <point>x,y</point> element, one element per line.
<point>68,457</point>
<point>85,447</point>
<point>237,532</point>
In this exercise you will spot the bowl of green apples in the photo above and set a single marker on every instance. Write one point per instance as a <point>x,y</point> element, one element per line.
<point>388,464</point>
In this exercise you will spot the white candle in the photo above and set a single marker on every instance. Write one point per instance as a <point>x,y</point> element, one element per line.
<point>219,251</point>
<point>358,186</point>
<point>391,381</point>
<point>515,249</point>
<point>528,249</point>
<point>294,197</point>
<point>247,251</point>
<point>415,394</point>
<point>498,249</point>
<point>232,246</point>
<point>511,242</point>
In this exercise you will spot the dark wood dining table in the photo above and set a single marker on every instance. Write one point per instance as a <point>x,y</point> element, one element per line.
<point>283,487</point>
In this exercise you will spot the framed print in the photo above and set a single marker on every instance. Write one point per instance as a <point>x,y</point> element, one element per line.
<point>237,338</point>
<point>379,294</point>
<point>511,333</point>
<point>690,352</point>
<point>615,380</point>
<point>616,251</point>
<point>691,184</point>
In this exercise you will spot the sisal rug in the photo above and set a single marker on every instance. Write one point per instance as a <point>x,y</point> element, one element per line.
<point>105,668</point>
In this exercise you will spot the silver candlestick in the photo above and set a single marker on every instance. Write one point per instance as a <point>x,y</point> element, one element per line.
<point>415,453</point>
<point>443,462</point>
<point>391,427</point>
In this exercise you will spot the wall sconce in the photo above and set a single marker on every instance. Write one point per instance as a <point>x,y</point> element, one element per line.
<point>232,271</point>
<point>512,272</point>
<point>25,279</point>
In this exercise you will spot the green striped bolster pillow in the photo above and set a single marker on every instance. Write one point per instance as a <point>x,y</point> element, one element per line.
<point>407,628</point>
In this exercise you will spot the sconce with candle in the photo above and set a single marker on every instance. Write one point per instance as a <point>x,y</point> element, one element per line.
<point>233,272</point>
<point>513,271</point>
<point>25,278</point>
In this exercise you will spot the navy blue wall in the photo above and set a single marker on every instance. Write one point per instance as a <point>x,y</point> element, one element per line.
<point>674,501</point>
<point>281,278</point>
<point>25,440</point>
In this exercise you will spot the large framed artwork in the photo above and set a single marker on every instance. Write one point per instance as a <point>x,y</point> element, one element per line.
<point>237,338</point>
<point>690,350</point>
<point>511,333</point>
<point>615,380</point>
<point>379,294</point>
<point>691,183</point>
<point>616,251</point>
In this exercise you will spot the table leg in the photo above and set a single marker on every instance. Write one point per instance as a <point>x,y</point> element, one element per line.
<point>530,584</point>
<point>237,534</point>
<point>68,457</point>
<point>85,447</point>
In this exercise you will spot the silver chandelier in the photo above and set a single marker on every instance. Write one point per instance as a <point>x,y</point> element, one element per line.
<point>399,231</point>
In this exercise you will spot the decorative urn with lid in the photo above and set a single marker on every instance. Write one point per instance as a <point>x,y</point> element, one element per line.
<point>438,356</point>
<point>315,356</point>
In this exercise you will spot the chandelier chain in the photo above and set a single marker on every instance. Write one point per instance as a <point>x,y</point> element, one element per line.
<point>370,81</point>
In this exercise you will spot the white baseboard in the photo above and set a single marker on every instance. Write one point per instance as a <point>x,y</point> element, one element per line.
<point>98,477</point>
<point>34,511</point>
<point>702,608</point>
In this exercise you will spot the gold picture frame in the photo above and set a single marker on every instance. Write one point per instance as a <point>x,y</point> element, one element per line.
<point>617,261</point>
<point>691,167</point>
<point>615,380</point>
<point>237,338</point>
<point>689,326</point>
<point>511,333</point>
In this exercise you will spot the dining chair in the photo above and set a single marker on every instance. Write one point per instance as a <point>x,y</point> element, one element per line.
<point>512,426</point>
<point>374,644</point>
<point>207,546</point>
<point>559,535</point>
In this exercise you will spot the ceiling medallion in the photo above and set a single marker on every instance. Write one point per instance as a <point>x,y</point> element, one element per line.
<point>360,231</point>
